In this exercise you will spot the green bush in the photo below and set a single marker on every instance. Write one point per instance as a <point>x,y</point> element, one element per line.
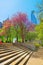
<point>19,40</point>
<point>37,45</point>
<point>41,44</point>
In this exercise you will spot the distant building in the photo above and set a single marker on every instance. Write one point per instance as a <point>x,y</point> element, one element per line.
<point>34,18</point>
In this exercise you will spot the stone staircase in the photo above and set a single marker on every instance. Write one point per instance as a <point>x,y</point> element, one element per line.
<point>14,54</point>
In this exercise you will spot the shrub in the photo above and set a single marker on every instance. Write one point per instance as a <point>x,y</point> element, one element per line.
<point>37,45</point>
<point>19,40</point>
<point>41,44</point>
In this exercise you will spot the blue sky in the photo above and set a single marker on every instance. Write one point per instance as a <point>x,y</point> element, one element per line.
<point>10,7</point>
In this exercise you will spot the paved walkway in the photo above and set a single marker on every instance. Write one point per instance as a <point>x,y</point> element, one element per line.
<point>36,58</point>
<point>35,61</point>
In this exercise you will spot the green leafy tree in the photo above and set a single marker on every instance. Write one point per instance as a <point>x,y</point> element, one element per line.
<point>40,9</point>
<point>31,36</point>
<point>39,29</point>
